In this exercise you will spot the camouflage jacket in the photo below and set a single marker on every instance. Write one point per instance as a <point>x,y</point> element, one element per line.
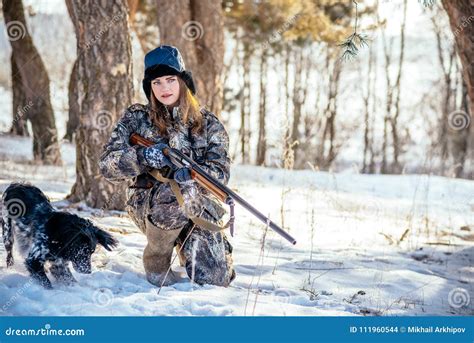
<point>122,162</point>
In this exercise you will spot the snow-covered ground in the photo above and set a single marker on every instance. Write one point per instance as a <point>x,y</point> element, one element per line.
<point>367,245</point>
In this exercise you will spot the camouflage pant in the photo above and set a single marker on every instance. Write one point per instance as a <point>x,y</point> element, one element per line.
<point>207,256</point>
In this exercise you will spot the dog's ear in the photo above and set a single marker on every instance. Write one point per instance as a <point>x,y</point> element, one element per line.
<point>105,239</point>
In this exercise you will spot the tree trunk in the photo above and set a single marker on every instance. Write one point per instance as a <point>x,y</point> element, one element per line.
<point>196,28</point>
<point>396,167</point>
<point>20,105</point>
<point>447,103</point>
<point>373,152</point>
<point>262,143</point>
<point>332,113</point>
<point>459,139</point>
<point>387,51</point>
<point>461,14</point>
<point>297,103</point>
<point>287,155</point>
<point>245,105</point>
<point>326,148</point>
<point>329,137</point>
<point>383,167</point>
<point>35,83</point>
<point>73,101</point>
<point>144,21</point>
<point>104,89</point>
<point>367,96</point>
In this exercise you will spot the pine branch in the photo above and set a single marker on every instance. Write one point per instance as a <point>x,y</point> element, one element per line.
<point>427,3</point>
<point>352,45</point>
<point>355,41</point>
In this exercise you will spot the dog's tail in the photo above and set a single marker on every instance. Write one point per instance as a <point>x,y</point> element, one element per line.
<point>105,239</point>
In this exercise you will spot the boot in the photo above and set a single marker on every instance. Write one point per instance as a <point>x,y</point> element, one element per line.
<point>157,255</point>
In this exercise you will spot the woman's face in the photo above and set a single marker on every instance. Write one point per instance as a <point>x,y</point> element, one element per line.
<point>166,89</point>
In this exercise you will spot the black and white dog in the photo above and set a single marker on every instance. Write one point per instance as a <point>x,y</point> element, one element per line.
<point>44,234</point>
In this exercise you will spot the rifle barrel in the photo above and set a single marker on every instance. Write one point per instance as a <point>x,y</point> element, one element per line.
<point>244,203</point>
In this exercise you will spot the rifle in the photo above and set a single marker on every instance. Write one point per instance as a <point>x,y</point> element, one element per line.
<point>220,191</point>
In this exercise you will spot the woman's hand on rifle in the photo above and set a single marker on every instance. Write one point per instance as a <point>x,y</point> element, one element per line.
<point>183,175</point>
<point>155,158</point>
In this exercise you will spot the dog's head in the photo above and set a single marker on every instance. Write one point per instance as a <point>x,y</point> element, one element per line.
<point>25,201</point>
<point>81,237</point>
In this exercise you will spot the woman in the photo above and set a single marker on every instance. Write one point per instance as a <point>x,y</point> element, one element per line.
<point>172,118</point>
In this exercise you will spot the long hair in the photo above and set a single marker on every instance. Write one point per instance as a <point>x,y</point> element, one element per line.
<point>188,104</point>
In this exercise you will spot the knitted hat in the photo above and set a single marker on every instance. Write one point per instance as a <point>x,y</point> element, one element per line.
<point>165,60</point>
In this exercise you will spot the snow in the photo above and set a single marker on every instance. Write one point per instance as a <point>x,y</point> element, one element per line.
<point>354,255</point>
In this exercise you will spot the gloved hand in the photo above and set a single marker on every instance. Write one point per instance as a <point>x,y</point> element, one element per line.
<point>155,158</point>
<point>182,175</point>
